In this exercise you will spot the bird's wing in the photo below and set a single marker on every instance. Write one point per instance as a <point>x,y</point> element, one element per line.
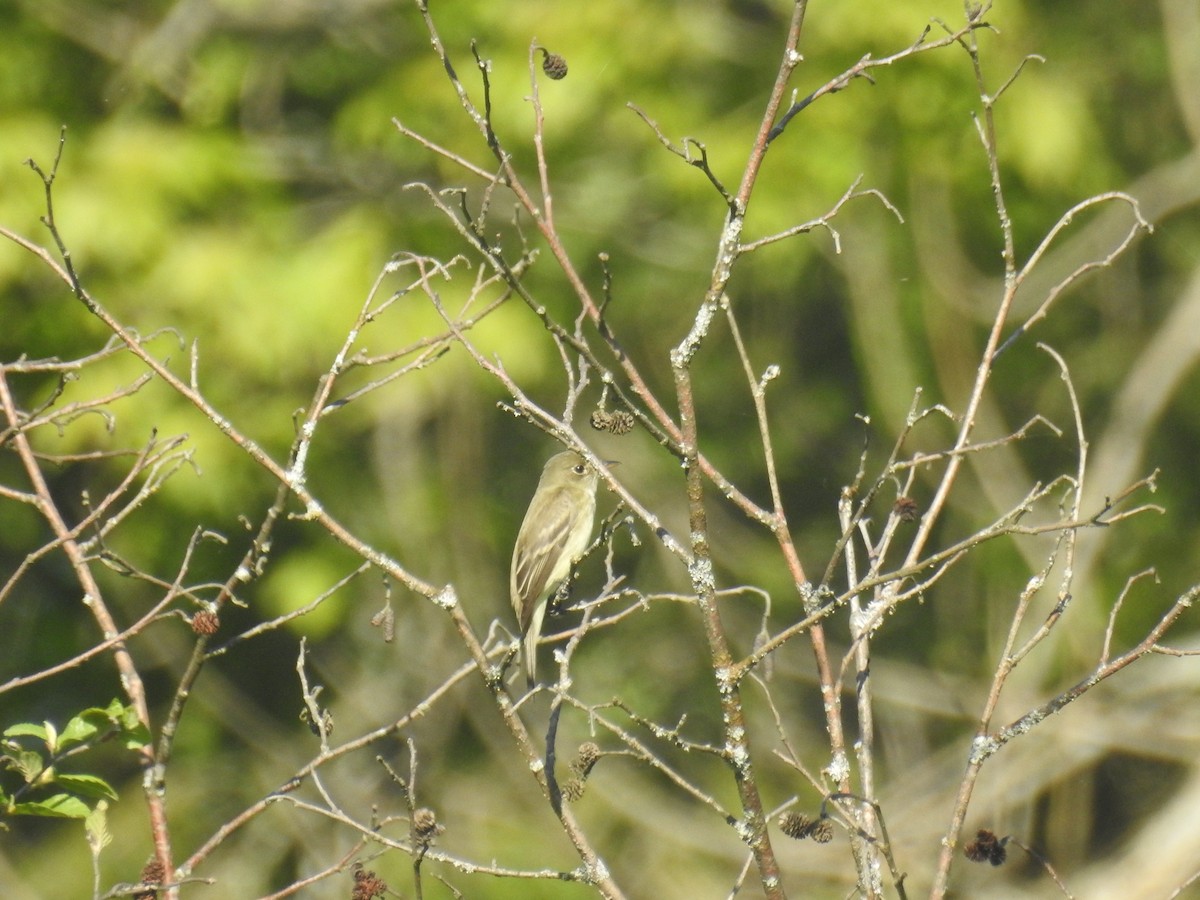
<point>537,555</point>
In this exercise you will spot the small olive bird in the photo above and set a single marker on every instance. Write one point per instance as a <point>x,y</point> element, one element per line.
<point>556,529</point>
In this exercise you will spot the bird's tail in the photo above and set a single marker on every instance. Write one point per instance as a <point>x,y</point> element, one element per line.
<point>532,635</point>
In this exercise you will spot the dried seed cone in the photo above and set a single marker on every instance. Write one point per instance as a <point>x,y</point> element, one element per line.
<point>798,826</point>
<point>585,758</point>
<point>152,874</point>
<point>986,848</point>
<point>622,422</point>
<point>205,622</point>
<point>619,422</point>
<point>907,509</point>
<point>425,824</point>
<point>795,825</point>
<point>367,885</point>
<point>822,831</point>
<point>554,65</point>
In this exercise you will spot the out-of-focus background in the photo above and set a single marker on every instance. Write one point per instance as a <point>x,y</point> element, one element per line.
<point>232,172</point>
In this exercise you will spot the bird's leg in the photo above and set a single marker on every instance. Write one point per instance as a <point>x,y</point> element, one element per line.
<point>562,594</point>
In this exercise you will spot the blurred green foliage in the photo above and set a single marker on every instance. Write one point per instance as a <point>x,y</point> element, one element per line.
<point>231,173</point>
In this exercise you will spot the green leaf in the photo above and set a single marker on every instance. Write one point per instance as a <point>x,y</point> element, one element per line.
<point>115,709</point>
<point>79,730</point>
<point>118,715</point>
<point>23,729</point>
<point>130,723</point>
<point>96,826</point>
<point>87,785</point>
<point>136,738</point>
<point>60,806</point>
<point>29,763</point>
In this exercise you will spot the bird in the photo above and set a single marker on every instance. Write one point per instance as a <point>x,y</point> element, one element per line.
<point>555,531</point>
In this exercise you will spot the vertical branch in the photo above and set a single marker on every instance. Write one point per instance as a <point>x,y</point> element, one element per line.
<point>753,826</point>
<point>791,59</point>
<point>93,599</point>
<point>830,696</point>
<point>865,854</point>
<point>986,127</point>
<point>1011,656</point>
<point>539,141</point>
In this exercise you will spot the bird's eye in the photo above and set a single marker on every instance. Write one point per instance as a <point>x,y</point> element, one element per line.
<point>579,469</point>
